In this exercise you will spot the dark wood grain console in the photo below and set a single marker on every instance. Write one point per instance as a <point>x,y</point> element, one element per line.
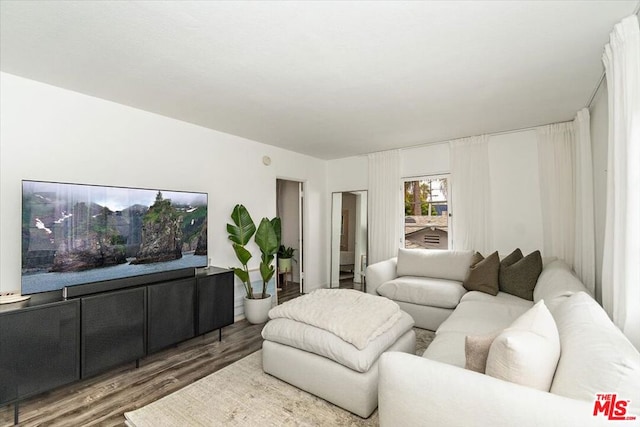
<point>47,341</point>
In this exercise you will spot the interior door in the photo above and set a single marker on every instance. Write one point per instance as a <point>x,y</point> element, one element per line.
<point>301,235</point>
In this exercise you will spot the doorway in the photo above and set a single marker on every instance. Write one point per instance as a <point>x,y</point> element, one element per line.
<point>290,209</point>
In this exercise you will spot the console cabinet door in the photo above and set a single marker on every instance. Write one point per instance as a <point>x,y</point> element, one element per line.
<point>113,329</point>
<point>39,349</point>
<point>171,313</point>
<point>215,302</point>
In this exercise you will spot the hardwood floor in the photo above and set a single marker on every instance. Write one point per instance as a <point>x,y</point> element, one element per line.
<point>288,292</point>
<point>350,284</point>
<point>292,289</point>
<point>104,399</point>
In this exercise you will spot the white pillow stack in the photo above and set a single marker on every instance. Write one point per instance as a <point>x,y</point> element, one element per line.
<point>528,351</point>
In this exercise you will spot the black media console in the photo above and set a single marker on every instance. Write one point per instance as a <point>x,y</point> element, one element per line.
<point>47,341</point>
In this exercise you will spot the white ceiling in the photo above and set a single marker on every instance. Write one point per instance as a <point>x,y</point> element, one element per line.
<point>328,79</point>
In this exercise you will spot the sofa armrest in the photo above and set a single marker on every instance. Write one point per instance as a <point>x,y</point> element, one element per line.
<point>416,391</point>
<point>379,273</point>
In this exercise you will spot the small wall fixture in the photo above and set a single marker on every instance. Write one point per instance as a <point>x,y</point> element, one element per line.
<point>266,160</point>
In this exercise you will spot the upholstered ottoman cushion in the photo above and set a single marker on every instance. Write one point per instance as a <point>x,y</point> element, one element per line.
<point>357,392</point>
<point>328,343</point>
<point>323,343</point>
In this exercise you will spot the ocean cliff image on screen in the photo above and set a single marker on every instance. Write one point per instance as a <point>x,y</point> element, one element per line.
<point>74,234</point>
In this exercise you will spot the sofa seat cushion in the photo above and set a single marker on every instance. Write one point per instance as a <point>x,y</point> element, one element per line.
<point>323,343</point>
<point>596,356</point>
<point>447,347</point>
<point>424,291</point>
<point>500,298</point>
<point>436,263</point>
<point>477,315</point>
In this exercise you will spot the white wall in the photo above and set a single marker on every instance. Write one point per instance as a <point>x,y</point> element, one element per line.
<point>599,142</point>
<point>348,174</point>
<point>48,133</point>
<point>427,160</point>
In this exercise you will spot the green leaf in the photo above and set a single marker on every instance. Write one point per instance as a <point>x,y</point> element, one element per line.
<point>266,271</point>
<point>267,259</point>
<point>242,274</point>
<point>244,227</point>
<point>266,238</point>
<point>242,253</point>
<point>277,228</point>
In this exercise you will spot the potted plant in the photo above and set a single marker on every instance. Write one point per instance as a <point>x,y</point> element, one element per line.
<point>285,256</point>
<point>267,237</point>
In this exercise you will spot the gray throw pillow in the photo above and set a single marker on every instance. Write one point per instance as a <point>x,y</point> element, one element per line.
<point>519,276</point>
<point>476,351</point>
<point>483,274</point>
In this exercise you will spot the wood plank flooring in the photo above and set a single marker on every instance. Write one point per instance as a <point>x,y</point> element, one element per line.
<point>104,399</point>
<point>288,292</point>
<point>292,289</point>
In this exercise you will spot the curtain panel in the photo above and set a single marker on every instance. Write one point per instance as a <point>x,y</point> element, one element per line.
<point>566,194</point>
<point>385,205</point>
<point>585,239</point>
<point>471,194</point>
<point>557,189</point>
<point>621,261</point>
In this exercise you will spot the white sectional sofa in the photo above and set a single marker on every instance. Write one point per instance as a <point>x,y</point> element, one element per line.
<point>594,358</point>
<point>427,284</point>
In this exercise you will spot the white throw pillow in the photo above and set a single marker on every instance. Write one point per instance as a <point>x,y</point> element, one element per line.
<point>527,352</point>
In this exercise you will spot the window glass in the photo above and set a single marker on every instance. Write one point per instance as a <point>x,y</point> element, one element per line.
<point>426,209</point>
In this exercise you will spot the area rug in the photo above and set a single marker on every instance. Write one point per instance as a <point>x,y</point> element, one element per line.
<point>242,395</point>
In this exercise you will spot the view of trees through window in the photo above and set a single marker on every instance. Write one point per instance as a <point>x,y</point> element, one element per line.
<point>426,221</point>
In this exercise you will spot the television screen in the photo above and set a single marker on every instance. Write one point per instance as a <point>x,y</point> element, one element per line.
<point>76,234</point>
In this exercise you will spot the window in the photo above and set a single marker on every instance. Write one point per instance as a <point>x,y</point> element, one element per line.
<point>426,209</point>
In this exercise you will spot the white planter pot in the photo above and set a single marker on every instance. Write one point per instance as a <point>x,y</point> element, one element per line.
<point>257,310</point>
<point>284,265</point>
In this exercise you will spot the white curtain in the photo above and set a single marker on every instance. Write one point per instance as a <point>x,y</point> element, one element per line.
<point>621,263</point>
<point>566,194</point>
<point>585,246</point>
<point>385,205</point>
<point>557,189</point>
<point>471,194</point>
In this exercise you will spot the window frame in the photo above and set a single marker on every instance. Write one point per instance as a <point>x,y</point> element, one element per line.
<point>431,177</point>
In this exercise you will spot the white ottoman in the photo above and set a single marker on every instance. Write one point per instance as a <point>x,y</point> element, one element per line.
<point>322,364</point>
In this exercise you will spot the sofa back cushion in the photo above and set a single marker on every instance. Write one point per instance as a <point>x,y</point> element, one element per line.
<point>555,283</point>
<point>436,263</point>
<point>596,356</point>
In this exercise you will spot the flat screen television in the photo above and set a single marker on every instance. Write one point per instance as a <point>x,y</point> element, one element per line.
<point>77,234</point>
